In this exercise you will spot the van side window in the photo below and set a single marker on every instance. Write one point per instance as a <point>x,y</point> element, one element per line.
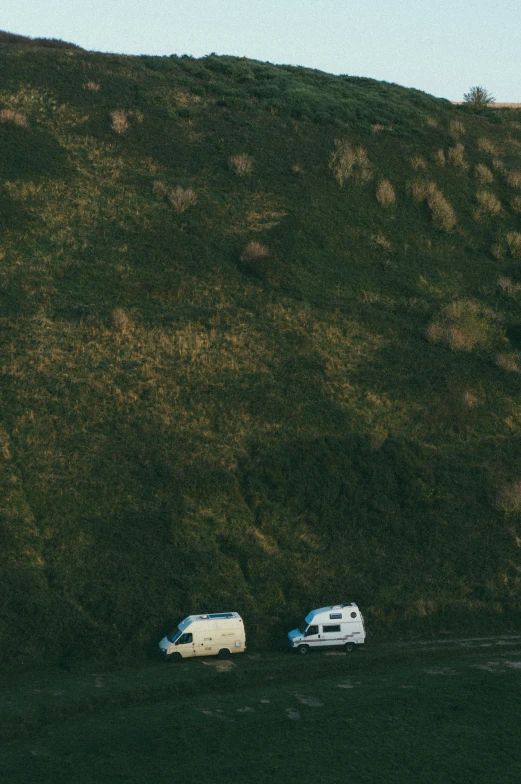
<point>335,616</point>
<point>184,639</point>
<point>331,628</point>
<point>311,630</point>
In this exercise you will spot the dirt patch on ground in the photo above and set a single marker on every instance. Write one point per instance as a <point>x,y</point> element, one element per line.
<point>313,702</point>
<point>221,665</point>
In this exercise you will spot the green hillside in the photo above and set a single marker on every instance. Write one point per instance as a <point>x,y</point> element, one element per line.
<point>260,350</point>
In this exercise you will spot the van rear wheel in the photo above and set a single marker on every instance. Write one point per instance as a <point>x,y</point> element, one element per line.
<point>350,646</point>
<point>224,653</point>
<point>303,649</point>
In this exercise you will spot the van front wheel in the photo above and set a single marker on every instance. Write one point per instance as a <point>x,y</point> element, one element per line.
<point>350,646</point>
<point>224,653</point>
<point>303,649</point>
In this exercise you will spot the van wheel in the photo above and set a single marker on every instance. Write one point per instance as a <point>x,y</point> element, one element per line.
<point>175,657</point>
<point>303,649</point>
<point>350,646</point>
<point>224,653</point>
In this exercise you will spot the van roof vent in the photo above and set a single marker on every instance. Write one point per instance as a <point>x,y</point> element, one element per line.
<point>221,615</point>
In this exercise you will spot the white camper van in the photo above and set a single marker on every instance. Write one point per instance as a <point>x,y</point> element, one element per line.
<point>339,626</point>
<point>217,634</point>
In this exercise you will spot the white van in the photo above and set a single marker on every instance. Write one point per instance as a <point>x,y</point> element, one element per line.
<point>329,627</point>
<point>216,634</point>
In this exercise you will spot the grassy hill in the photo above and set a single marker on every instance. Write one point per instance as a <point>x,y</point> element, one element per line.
<point>260,350</point>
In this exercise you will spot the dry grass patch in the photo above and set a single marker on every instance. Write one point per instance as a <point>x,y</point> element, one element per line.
<point>418,162</point>
<point>17,118</point>
<point>119,121</point>
<point>506,286</point>
<point>241,164</point>
<point>382,242</point>
<point>513,239</point>
<point>350,162</point>
<point>92,87</point>
<point>254,250</point>
<point>514,179</point>
<point>510,362</point>
<point>119,319</point>
<point>455,156</point>
<point>465,325</point>
<point>443,215</point>
<point>179,198</point>
<point>498,164</point>
<point>385,194</point>
<point>489,205</point>
<point>483,174</point>
<point>456,128</point>
<point>182,198</point>
<point>508,499</point>
<point>516,204</point>
<point>439,157</point>
<point>487,145</point>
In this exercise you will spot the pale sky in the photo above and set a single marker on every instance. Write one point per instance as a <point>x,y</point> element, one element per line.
<point>443,47</point>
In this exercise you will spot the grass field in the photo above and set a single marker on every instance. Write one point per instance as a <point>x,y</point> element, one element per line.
<point>436,711</point>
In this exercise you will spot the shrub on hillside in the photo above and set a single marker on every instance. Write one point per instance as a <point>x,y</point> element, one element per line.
<point>514,179</point>
<point>516,204</point>
<point>513,239</point>
<point>487,146</point>
<point>10,115</point>
<point>418,162</point>
<point>510,362</point>
<point>455,156</point>
<point>488,205</point>
<point>478,97</point>
<point>508,499</point>
<point>385,194</point>
<point>465,325</point>
<point>483,174</point>
<point>119,319</point>
<point>119,121</point>
<point>456,128</point>
<point>182,198</point>
<point>257,260</point>
<point>350,162</point>
<point>241,164</point>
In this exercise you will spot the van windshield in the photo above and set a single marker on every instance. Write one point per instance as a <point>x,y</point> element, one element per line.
<point>173,637</point>
<point>303,626</point>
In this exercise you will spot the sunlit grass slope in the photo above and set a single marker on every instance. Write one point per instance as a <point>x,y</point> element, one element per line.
<point>261,350</point>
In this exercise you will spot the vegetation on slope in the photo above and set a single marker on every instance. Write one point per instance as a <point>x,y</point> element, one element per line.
<point>261,348</point>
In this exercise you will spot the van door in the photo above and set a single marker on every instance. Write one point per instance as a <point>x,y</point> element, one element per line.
<point>311,636</point>
<point>331,634</point>
<point>186,646</point>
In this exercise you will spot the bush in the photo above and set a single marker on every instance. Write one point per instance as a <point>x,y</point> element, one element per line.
<point>514,244</point>
<point>478,97</point>
<point>348,161</point>
<point>119,121</point>
<point>241,164</point>
<point>483,173</point>
<point>182,198</point>
<point>488,204</point>
<point>385,194</point>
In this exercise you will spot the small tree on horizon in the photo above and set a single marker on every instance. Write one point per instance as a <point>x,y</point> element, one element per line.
<point>478,97</point>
